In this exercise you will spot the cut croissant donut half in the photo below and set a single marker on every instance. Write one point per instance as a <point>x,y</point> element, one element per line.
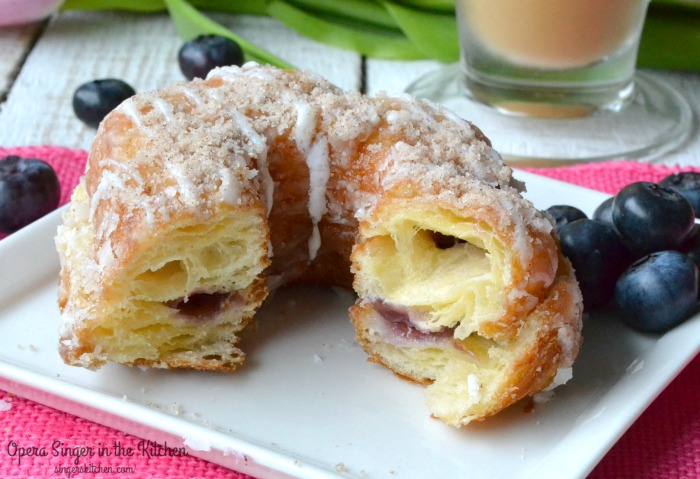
<point>201,198</point>
<point>451,299</point>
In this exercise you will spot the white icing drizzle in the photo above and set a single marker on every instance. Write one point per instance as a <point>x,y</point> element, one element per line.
<point>196,99</point>
<point>230,188</point>
<point>108,180</point>
<point>314,242</point>
<point>124,169</point>
<point>250,70</point>
<point>130,110</point>
<point>124,173</point>
<point>229,73</point>
<point>316,156</point>
<point>305,126</point>
<point>187,188</point>
<point>319,173</point>
<point>105,254</point>
<point>259,143</point>
<point>216,96</point>
<point>165,108</point>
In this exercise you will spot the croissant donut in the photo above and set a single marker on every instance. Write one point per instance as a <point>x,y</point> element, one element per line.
<point>199,199</point>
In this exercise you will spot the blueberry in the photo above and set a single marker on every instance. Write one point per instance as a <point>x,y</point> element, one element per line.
<point>686,184</point>
<point>658,292</point>
<point>652,218</point>
<point>197,57</point>
<point>564,214</point>
<point>603,212</point>
<point>92,101</point>
<point>598,257</point>
<point>691,246</point>
<point>29,189</point>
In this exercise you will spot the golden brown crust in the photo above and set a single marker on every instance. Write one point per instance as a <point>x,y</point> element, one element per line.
<point>559,313</point>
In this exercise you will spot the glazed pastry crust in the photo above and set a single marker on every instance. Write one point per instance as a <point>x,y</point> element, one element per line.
<point>202,197</point>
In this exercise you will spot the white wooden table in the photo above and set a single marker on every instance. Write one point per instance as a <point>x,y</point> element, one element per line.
<point>42,64</point>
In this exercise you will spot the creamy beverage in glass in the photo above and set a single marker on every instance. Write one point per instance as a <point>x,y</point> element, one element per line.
<point>550,57</point>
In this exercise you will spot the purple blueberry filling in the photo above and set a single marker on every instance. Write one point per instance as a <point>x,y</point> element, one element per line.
<point>205,306</point>
<point>400,323</point>
<point>398,326</point>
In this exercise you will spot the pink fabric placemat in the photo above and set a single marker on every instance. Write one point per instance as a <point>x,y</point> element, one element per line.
<point>663,444</point>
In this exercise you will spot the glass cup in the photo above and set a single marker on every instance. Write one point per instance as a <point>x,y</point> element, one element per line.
<point>555,80</point>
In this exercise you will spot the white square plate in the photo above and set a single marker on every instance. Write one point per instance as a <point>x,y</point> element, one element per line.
<point>307,404</point>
